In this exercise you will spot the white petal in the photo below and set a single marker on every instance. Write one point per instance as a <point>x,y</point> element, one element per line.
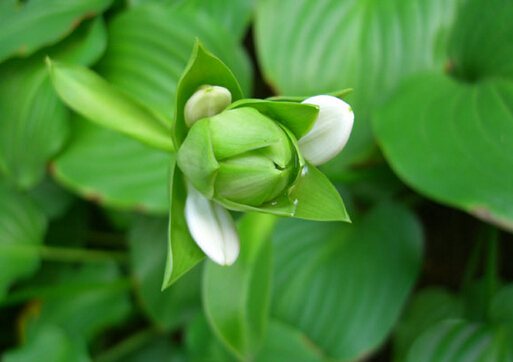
<point>212,227</point>
<point>330,131</point>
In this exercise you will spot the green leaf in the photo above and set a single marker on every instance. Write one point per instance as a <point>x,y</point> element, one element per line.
<point>27,26</point>
<point>327,277</point>
<point>203,68</point>
<point>236,298</point>
<point>100,102</point>
<point>34,122</point>
<point>317,198</point>
<point>21,223</point>
<point>111,169</point>
<point>427,308</point>
<point>315,47</point>
<point>298,118</point>
<point>341,94</point>
<point>447,141</point>
<point>182,251</point>
<point>50,344</point>
<point>172,307</point>
<point>452,145</point>
<point>462,341</point>
<point>88,313</point>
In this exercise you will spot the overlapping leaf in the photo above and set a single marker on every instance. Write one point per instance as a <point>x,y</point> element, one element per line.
<point>34,123</point>
<point>314,47</point>
<point>450,139</point>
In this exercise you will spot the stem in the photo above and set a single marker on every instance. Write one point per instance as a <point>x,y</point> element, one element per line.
<point>473,262</point>
<point>127,346</point>
<point>65,290</point>
<point>492,263</point>
<point>53,253</point>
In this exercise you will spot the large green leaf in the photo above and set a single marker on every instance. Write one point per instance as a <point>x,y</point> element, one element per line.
<point>148,250</point>
<point>33,126</point>
<point>448,139</point>
<point>112,169</point>
<point>462,341</point>
<point>50,344</point>
<point>236,298</point>
<point>22,223</point>
<point>427,308</point>
<point>314,47</point>
<point>343,286</point>
<point>87,313</point>
<point>25,26</point>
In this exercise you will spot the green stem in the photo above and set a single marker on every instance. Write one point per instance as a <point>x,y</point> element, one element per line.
<point>53,253</point>
<point>492,263</point>
<point>473,262</point>
<point>65,290</point>
<point>129,345</point>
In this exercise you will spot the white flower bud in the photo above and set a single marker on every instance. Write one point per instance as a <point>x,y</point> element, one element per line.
<point>330,131</point>
<point>207,101</point>
<point>212,227</point>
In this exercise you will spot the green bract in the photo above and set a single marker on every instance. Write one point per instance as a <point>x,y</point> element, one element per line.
<point>246,158</point>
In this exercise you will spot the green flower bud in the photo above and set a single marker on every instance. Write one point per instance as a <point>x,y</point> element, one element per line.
<point>239,155</point>
<point>207,101</point>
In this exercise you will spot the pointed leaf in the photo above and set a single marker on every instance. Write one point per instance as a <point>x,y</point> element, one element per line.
<point>236,298</point>
<point>317,198</point>
<point>100,102</point>
<point>203,68</point>
<point>26,26</point>
<point>298,99</point>
<point>212,228</point>
<point>182,251</point>
<point>298,118</point>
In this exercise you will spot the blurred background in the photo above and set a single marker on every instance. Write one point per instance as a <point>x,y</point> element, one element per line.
<point>422,273</point>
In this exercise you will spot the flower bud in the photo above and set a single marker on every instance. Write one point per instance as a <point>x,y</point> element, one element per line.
<point>330,131</point>
<point>207,101</point>
<point>239,155</point>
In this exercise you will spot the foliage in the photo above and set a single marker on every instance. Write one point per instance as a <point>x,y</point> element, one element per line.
<point>99,259</point>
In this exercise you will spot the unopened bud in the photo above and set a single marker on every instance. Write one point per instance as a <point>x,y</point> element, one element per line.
<point>330,131</point>
<point>207,101</point>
